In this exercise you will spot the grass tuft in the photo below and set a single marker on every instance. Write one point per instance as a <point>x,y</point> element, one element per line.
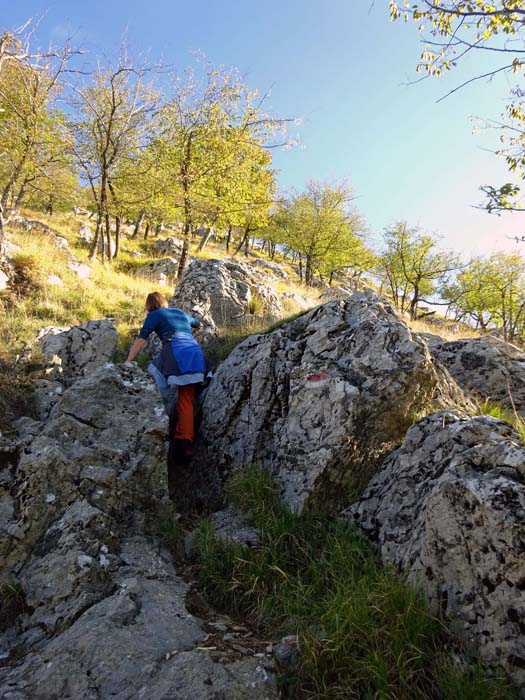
<point>12,603</point>
<point>362,632</point>
<point>489,408</point>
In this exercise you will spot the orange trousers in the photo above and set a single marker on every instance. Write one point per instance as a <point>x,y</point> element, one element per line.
<point>185,428</point>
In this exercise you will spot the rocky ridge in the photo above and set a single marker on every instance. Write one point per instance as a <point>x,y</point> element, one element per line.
<point>225,292</point>
<point>105,612</point>
<point>321,400</point>
<point>488,367</point>
<point>448,509</point>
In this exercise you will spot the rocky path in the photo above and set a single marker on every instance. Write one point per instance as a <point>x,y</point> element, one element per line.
<point>106,613</point>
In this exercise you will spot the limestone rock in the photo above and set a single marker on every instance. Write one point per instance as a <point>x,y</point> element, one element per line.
<point>80,269</point>
<point>85,233</point>
<point>45,395</point>
<point>448,508</point>
<point>432,339</point>
<point>106,615</point>
<point>319,401</point>
<point>4,281</point>
<point>229,525</point>
<point>11,248</point>
<point>225,292</point>
<point>55,280</point>
<point>76,351</point>
<point>171,247</point>
<point>160,271</point>
<point>335,294</point>
<point>487,366</point>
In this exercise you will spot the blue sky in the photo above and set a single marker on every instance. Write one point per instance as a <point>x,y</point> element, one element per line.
<point>343,69</point>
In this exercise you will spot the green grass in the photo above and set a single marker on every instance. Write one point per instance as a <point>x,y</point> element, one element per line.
<point>108,293</point>
<point>230,336</point>
<point>362,632</point>
<point>12,603</point>
<point>489,408</point>
<point>169,531</point>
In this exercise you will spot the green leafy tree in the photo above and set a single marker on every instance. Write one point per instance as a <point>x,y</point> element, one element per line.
<point>113,112</point>
<point>322,227</point>
<point>453,29</point>
<point>490,293</point>
<point>208,125</point>
<point>31,131</point>
<point>412,267</point>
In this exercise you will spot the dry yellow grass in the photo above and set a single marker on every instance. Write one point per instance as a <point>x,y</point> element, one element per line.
<point>449,330</point>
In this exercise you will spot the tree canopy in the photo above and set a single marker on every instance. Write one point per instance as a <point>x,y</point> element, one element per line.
<point>451,30</point>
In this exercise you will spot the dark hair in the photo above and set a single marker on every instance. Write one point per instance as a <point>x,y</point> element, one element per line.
<point>155,301</point>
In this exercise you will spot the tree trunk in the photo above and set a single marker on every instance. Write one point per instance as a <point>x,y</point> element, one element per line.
<point>146,232</point>
<point>50,205</point>
<point>21,194</point>
<point>413,303</point>
<point>158,229</point>
<point>243,240</point>
<point>331,279</point>
<point>228,239</point>
<point>186,231</point>
<point>108,239</point>
<point>2,234</point>
<point>138,224</point>
<point>183,257</point>
<point>308,275</point>
<point>94,245</point>
<point>300,269</point>
<point>204,239</point>
<point>118,221</point>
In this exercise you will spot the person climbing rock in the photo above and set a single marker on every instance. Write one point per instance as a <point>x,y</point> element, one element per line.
<point>180,363</point>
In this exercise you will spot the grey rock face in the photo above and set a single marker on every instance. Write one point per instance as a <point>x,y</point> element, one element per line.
<point>271,267</point>
<point>85,233</point>
<point>319,401</point>
<point>4,281</point>
<point>335,294</point>
<point>106,615</point>
<point>78,462</point>
<point>171,247</point>
<point>487,366</point>
<point>76,351</point>
<point>160,271</point>
<point>448,508</point>
<point>225,292</point>
<point>80,269</point>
